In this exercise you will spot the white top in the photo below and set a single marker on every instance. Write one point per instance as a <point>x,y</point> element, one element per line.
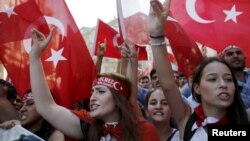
<point>200,135</point>
<point>176,136</point>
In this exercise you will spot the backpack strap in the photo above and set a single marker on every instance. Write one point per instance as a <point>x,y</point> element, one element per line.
<point>85,129</point>
<point>188,133</point>
<point>171,136</point>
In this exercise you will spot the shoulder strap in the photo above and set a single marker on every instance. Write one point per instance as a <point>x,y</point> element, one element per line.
<point>188,133</point>
<point>85,129</point>
<point>171,136</point>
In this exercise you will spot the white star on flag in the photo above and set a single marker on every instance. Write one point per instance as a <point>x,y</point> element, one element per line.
<point>56,56</point>
<point>232,14</point>
<point>9,11</point>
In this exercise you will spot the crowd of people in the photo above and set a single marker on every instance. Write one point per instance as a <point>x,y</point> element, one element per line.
<point>164,106</point>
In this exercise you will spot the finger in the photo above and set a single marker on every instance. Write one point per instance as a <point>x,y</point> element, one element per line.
<point>166,7</point>
<point>105,41</point>
<point>125,49</point>
<point>50,34</point>
<point>34,37</point>
<point>105,44</point>
<point>99,44</point>
<point>123,53</point>
<point>138,50</point>
<point>39,35</point>
<point>156,7</point>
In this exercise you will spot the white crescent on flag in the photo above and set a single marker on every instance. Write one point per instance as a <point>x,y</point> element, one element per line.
<point>49,20</point>
<point>190,7</point>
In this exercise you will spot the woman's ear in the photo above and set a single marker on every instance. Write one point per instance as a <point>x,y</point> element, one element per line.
<point>196,88</point>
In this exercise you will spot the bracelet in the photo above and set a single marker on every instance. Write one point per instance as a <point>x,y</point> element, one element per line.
<point>158,44</point>
<point>157,36</point>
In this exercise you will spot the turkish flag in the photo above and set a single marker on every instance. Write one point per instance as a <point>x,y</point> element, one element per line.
<point>15,17</point>
<point>113,39</point>
<point>185,50</point>
<point>214,23</point>
<point>67,63</point>
<point>104,31</point>
<point>15,23</point>
<point>132,16</point>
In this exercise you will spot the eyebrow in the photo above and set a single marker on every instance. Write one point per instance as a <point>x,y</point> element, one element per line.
<point>213,74</point>
<point>100,87</point>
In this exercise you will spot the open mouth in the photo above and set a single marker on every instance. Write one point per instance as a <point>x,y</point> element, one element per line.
<point>224,96</point>
<point>158,113</point>
<point>23,117</point>
<point>93,107</point>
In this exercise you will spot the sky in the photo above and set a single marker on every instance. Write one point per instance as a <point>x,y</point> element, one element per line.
<point>86,12</point>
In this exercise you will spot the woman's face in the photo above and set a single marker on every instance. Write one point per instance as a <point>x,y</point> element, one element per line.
<point>102,104</point>
<point>18,102</point>
<point>28,113</point>
<point>216,87</point>
<point>158,109</point>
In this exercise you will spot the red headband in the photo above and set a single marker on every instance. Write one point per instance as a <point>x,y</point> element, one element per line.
<point>227,48</point>
<point>28,96</point>
<point>113,84</point>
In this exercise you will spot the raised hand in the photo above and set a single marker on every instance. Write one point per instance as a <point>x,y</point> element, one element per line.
<point>101,48</point>
<point>157,15</point>
<point>40,42</point>
<point>128,50</point>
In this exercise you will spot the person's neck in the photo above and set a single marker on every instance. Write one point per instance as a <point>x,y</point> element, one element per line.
<point>240,75</point>
<point>164,130</point>
<point>214,112</point>
<point>35,127</point>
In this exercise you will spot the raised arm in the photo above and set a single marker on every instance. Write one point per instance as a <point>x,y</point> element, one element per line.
<point>129,53</point>
<point>60,117</point>
<point>123,62</point>
<point>157,16</point>
<point>100,54</point>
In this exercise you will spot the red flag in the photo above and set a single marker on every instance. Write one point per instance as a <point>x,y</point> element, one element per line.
<point>15,17</point>
<point>133,21</point>
<point>142,52</point>
<point>113,39</point>
<point>104,31</point>
<point>186,51</point>
<point>215,24</point>
<point>67,63</point>
<point>16,20</point>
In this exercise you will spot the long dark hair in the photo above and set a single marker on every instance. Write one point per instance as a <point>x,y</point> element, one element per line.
<point>127,116</point>
<point>236,111</point>
<point>45,131</point>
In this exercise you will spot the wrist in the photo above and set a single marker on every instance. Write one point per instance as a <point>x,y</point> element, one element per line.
<point>100,56</point>
<point>157,42</point>
<point>157,36</point>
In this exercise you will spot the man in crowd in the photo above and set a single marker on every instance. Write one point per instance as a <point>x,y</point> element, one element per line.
<point>234,56</point>
<point>7,97</point>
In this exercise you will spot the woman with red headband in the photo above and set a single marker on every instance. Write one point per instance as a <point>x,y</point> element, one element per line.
<point>33,121</point>
<point>114,114</point>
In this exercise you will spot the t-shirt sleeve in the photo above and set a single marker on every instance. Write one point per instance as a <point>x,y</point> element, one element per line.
<point>147,131</point>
